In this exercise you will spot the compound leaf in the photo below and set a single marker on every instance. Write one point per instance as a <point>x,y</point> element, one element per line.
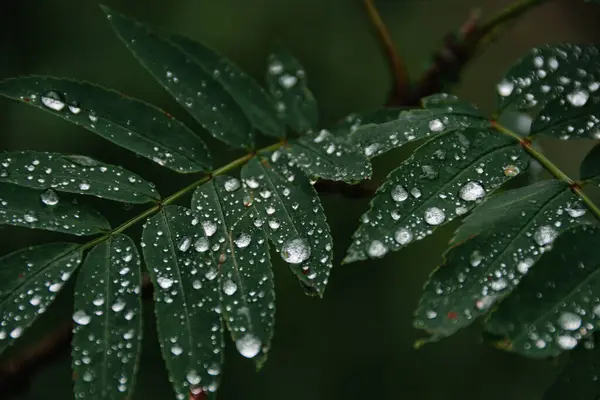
<point>74,174</point>
<point>445,178</point>
<point>565,70</point>
<point>330,157</point>
<point>255,103</point>
<point>245,268</point>
<point>556,303</point>
<point>442,114</point>
<point>185,79</point>
<point>132,124</point>
<point>35,209</point>
<point>286,79</point>
<point>492,250</point>
<point>187,299</point>
<point>293,218</point>
<point>30,279</point>
<point>108,321</point>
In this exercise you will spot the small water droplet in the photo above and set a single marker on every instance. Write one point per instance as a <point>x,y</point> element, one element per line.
<point>53,100</point>
<point>49,197</point>
<point>185,244</point>
<point>84,186</point>
<point>30,217</point>
<point>192,377</point>
<point>524,265</point>
<point>229,287</point>
<point>74,108</point>
<point>176,350</point>
<point>295,251</point>
<point>511,171</point>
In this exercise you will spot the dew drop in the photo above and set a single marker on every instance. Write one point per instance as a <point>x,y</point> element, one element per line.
<point>233,184</point>
<point>209,228</point>
<point>524,265</point>
<point>505,88</point>
<point>498,284</point>
<point>475,259</point>
<point>295,251</point>
<point>15,333</point>
<point>415,192</point>
<point>578,98</point>
<point>434,216</point>
<point>545,235</point>
<point>192,377</point>
<point>49,197</point>
<point>403,236</point>
<point>399,194</point>
<point>165,283</point>
<point>176,350</point>
<point>569,321</point>
<point>202,244</point>
<point>511,171</point>
<point>576,213</point>
<point>248,345</point>
<point>377,249</point>
<point>185,244</point>
<point>118,305</point>
<point>471,191</point>
<point>436,125</point>
<point>74,108</point>
<point>84,186</point>
<point>566,342</point>
<point>81,318</point>
<point>243,240</point>
<point>229,287</point>
<point>53,100</point>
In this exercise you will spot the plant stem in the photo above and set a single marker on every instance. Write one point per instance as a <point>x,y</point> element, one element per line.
<point>511,12</point>
<point>550,166</point>
<point>175,196</point>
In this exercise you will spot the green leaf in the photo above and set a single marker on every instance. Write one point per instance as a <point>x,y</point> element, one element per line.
<point>451,104</point>
<point>187,299</point>
<point>186,80</point>
<point>579,378</point>
<point>445,178</point>
<point>286,79</point>
<point>254,102</point>
<point>245,268</point>
<point>37,209</point>
<point>108,321</point>
<point>556,304</point>
<point>590,166</point>
<point>329,157</point>
<point>492,250</point>
<point>30,279</point>
<point>130,123</point>
<point>573,117</point>
<point>292,215</point>
<point>74,174</point>
<point>548,72</point>
<point>353,121</point>
<point>412,125</point>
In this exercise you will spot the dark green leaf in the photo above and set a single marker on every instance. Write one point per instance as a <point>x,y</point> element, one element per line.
<point>590,166</point>
<point>492,250</point>
<point>132,124</point>
<point>564,70</point>
<point>30,279</point>
<point>108,321</point>
<point>451,104</point>
<point>292,215</point>
<point>444,178</point>
<point>286,78</point>
<point>353,121</point>
<point>573,117</point>
<point>557,303</point>
<point>187,299</point>
<point>20,206</point>
<point>579,378</point>
<point>329,157</point>
<point>243,252</point>
<point>74,174</point>
<point>255,103</point>
<point>412,125</point>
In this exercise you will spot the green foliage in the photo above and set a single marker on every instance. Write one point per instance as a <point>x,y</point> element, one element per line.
<point>209,262</point>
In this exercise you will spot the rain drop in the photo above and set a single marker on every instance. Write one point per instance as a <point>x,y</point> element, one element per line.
<point>49,197</point>
<point>505,88</point>
<point>185,244</point>
<point>248,345</point>
<point>233,184</point>
<point>295,251</point>
<point>229,287</point>
<point>436,125</point>
<point>578,98</point>
<point>209,228</point>
<point>511,171</point>
<point>566,342</point>
<point>545,235</point>
<point>84,186</point>
<point>81,318</point>
<point>569,321</point>
<point>434,216</point>
<point>243,240</point>
<point>192,377</point>
<point>53,101</point>
<point>165,283</point>
<point>524,265</point>
<point>471,191</point>
<point>202,244</point>
<point>377,249</point>
<point>399,194</point>
<point>403,236</point>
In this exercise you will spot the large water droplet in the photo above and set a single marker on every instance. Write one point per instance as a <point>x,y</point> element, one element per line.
<point>209,228</point>
<point>505,88</point>
<point>53,100</point>
<point>84,186</point>
<point>192,377</point>
<point>81,318</point>
<point>185,244</point>
<point>434,216</point>
<point>545,235</point>
<point>233,184</point>
<point>229,287</point>
<point>243,240</point>
<point>569,321</point>
<point>435,125</point>
<point>248,345</point>
<point>399,194</point>
<point>202,244</point>
<point>566,342</point>
<point>30,217</point>
<point>49,197</point>
<point>164,282</point>
<point>524,265</point>
<point>471,191</point>
<point>578,98</point>
<point>295,251</point>
<point>377,249</point>
<point>403,236</point>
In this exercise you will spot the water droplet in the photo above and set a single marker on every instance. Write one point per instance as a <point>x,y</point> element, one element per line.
<point>81,318</point>
<point>498,284</point>
<point>415,192</point>
<point>165,283</point>
<point>403,236</point>
<point>524,265</point>
<point>233,184</point>
<point>399,194</point>
<point>30,217</point>
<point>176,350</point>
<point>434,216</point>
<point>243,240</point>
<point>118,305</point>
<point>377,249</point>
<point>15,333</point>
<point>74,108</point>
<point>35,300</point>
<point>248,345</point>
<point>476,258</point>
<point>202,244</point>
<point>229,287</point>
<point>192,377</point>
<point>429,172</point>
<point>185,244</point>
<point>252,183</point>
<point>545,235</point>
<point>566,342</point>
<point>53,100</point>
<point>49,197</point>
<point>214,369</point>
<point>576,213</point>
<point>505,88</point>
<point>569,321</point>
<point>578,98</point>
<point>84,186</point>
<point>436,125</point>
<point>511,171</point>
<point>295,251</point>
<point>209,228</point>
<point>471,191</point>
<point>288,81</point>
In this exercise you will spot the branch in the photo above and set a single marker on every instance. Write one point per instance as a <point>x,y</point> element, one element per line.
<point>401,80</point>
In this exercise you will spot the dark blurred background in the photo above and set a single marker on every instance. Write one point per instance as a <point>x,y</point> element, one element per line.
<point>357,342</point>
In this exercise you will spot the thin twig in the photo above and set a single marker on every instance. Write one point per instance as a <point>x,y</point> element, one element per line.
<point>397,66</point>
